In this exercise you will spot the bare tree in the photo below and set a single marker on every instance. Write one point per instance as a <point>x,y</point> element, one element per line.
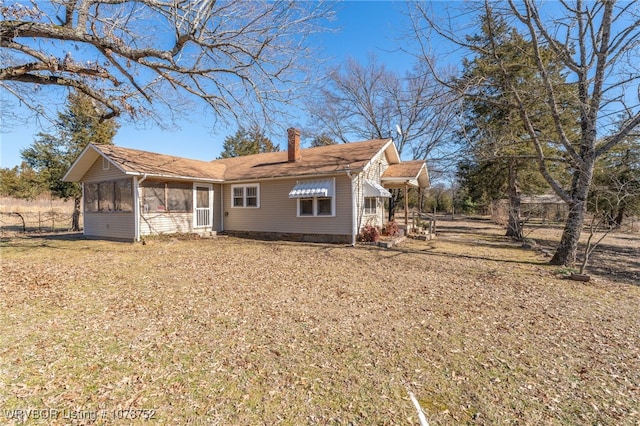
<point>369,101</point>
<point>141,57</point>
<point>598,45</point>
<point>604,208</point>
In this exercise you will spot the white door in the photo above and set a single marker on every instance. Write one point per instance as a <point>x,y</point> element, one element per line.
<point>203,205</point>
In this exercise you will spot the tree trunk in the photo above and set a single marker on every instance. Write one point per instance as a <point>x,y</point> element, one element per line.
<point>75,218</point>
<point>617,222</point>
<point>567,251</point>
<point>514,228</point>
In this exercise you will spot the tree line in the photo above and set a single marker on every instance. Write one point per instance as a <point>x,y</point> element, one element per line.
<point>536,105</point>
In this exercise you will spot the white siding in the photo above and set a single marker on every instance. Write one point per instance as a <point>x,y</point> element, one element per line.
<point>165,223</point>
<point>373,172</point>
<point>278,213</point>
<point>155,223</point>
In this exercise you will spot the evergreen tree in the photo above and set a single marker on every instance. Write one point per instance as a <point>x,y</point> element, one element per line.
<point>322,139</point>
<point>20,182</point>
<point>247,142</point>
<point>596,45</point>
<point>51,155</point>
<point>501,158</point>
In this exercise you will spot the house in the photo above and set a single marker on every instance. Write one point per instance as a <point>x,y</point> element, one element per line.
<point>324,194</point>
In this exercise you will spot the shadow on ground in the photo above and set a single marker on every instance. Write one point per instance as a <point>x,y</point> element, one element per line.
<point>617,258</point>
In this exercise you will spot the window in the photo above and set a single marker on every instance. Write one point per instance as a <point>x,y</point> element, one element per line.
<point>238,197</point>
<point>153,197</point>
<point>314,197</point>
<point>316,206</point>
<point>106,165</point>
<point>176,197</point>
<point>251,196</point>
<point>108,196</point>
<point>179,197</point>
<point>324,206</point>
<point>245,196</point>
<point>306,206</point>
<point>370,205</point>
<point>90,197</point>
<point>124,196</point>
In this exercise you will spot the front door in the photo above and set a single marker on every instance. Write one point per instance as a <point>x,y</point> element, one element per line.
<point>203,203</point>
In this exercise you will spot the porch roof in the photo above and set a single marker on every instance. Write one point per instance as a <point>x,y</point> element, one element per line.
<point>413,173</point>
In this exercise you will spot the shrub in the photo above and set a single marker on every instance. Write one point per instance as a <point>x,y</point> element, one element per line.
<point>391,229</point>
<point>369,234</point>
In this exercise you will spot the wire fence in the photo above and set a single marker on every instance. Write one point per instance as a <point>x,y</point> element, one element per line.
<point>35,221</point>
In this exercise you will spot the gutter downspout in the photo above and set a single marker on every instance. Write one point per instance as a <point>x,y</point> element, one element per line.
<point>222,207</point>
<point>136,189</point>
<point>353,207</point>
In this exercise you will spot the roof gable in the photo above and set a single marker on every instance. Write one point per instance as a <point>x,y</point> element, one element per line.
<point>140,163</point>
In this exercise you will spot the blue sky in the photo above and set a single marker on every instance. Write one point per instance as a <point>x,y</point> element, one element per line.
<point>364,27</point>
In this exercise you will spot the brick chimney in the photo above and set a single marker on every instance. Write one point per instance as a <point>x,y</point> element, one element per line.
<point>293,136</point>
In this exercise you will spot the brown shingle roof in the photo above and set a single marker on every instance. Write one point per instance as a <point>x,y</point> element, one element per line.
<point>404,169</point>
<point>314,161</point>
<point>319,160</point>
<point>144,162</point>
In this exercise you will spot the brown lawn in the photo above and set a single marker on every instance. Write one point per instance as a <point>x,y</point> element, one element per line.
<point>231,331</point>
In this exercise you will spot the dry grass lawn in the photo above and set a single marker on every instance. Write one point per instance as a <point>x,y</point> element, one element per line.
<point>231,331</point>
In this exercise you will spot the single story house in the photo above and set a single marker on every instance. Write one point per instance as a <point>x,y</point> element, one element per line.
<point>323,194</point>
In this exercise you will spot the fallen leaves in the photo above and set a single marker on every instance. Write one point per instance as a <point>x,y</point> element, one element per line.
<point>240,332</point>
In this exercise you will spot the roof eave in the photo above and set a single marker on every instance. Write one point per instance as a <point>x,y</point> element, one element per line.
<point>174,177</point>
<point>293,176</point>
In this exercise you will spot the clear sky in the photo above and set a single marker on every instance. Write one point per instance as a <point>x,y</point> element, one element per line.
<point>363,27</point>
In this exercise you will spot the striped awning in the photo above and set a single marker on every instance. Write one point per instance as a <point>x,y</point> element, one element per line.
<point>312,188</point>
<point>374,189</point>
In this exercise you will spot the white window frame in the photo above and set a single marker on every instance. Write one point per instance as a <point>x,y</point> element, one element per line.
<point>106,164</point>
<point>315,207</point>
<point>244,196</point>
<point>375,206</point>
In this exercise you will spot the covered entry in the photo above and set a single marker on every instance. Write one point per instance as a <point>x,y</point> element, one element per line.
<point>403,176</point>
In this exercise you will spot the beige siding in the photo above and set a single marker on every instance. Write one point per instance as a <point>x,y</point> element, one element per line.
<point>115,225</point>
<point>96,174</point>
<point>278,212</point>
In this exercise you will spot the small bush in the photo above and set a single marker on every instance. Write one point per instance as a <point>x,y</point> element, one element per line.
<point>391,229</point>
<point>369,234</point>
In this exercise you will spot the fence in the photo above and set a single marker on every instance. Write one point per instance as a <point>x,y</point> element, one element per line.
<point>40,221</point>
<point>44,214</point>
